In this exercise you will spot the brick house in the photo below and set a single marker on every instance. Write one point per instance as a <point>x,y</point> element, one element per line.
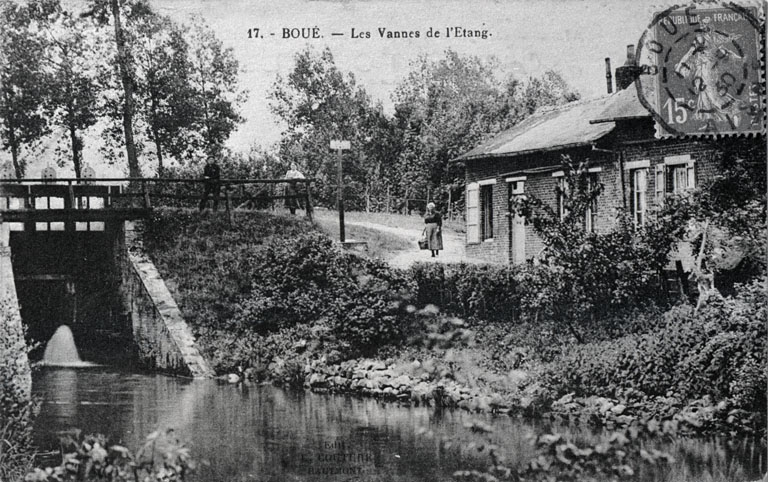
<point>615,134</point>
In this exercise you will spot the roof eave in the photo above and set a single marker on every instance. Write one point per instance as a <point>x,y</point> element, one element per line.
<point>527,151</point>
<point>614,119</point>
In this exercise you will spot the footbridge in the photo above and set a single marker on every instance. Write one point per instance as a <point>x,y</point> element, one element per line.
<point>65,260</point>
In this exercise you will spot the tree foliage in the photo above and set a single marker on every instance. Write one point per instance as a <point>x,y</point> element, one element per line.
<point>589,274</point>
<point>73,49</point>
<point>166,108</point>
<point>445,107</point>
<point>724,220</point>
<point>22,82</point>
<point>119,66</point>
<point>317,103</point>
<point>213,78</point>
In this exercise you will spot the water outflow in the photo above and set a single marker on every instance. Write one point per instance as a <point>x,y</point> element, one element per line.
<point>61,349</point>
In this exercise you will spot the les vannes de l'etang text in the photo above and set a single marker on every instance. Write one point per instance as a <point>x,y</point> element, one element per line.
<point>308,33</point>
<point>447,32</point>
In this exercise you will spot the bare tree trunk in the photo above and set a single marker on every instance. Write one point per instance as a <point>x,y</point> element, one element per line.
<point>153,115</point>
<point>76,150</point>
<point>160,167</point>
<point>15,153</point>
<point>125,74</point>
<point>705,281</point>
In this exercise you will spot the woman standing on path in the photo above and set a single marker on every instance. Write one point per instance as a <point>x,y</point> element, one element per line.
<point>434,222</point>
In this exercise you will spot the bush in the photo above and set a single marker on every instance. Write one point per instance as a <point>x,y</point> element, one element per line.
<point>15,393</point>
<point>162,457</point>
<point>717,352</point>
<point>204,258</point>
<point>488,292</point>
<point>266,274</point>
<point>731,361</point>
<point>306,280</point>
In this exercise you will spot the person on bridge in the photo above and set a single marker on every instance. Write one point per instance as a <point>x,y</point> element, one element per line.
<point>434,222</point>
<point>211,176</point>
<point>290,188</point>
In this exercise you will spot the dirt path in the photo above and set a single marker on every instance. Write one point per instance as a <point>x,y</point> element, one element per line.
<point>452,242</point>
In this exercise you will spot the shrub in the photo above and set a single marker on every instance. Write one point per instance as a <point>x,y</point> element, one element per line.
<point>265,274</point>
<point>306,280</point>
<point>731,361</point>
<point>589,274</point>
<point>91,458</point>
<point>488,292</point>
<point>204,259</point>
<point>717,352</point>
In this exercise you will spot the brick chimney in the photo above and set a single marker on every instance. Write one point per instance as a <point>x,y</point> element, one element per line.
<point>627,73</point>
<point>608,75</point>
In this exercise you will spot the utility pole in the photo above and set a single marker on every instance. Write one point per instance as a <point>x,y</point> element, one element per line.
<point>340,146</point>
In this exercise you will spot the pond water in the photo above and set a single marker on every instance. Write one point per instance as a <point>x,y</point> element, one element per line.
<point>263,433</point>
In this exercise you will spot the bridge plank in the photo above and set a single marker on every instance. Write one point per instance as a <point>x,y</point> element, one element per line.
<point>72,215</point>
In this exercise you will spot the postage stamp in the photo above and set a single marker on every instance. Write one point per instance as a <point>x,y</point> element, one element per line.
<point>705,71</point>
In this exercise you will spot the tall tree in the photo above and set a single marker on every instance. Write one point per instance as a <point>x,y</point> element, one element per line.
<point>22,82</point>
<point>447,106</point>
<point>317,103</point>
<point>126,76</point>
<point>167,98</point>
<point>114,11</point>
<point>213,76</point>
<point>549,89</point>
<point>73,51</point>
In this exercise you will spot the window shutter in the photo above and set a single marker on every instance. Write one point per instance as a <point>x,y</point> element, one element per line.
<point>660,184</point>
<point>690,172</point>
<point>561,193</point>
<point>473,213</point>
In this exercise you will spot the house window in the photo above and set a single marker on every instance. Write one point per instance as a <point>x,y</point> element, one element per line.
<point>682,178</point>
<point>675,176</point>
<point>639,179</point>
<point>590,216</point>
<point>486,211</point>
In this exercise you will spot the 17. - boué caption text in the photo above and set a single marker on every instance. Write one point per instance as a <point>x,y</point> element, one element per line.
<point>311,33</point>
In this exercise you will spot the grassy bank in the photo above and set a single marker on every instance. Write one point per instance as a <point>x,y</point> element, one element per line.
<point>271,298</point>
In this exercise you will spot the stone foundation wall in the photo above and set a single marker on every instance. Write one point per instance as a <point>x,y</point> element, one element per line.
<point>164,340</point>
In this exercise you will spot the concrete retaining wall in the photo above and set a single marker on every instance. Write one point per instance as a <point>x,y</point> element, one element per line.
<point>164,340</point>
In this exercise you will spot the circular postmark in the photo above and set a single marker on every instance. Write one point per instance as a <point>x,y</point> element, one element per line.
<point>703,74</point>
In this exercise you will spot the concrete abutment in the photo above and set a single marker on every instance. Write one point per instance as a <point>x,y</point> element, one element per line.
<point>113,298</point>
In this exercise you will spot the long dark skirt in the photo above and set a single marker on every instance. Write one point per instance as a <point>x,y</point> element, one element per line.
<point>434,237</point>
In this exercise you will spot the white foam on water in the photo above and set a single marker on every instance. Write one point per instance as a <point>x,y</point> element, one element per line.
<point>60,351</point>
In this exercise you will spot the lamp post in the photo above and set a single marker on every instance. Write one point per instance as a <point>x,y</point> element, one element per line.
<point>339,146</point>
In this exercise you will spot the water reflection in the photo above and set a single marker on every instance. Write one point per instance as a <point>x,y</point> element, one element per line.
<point>267,434</point>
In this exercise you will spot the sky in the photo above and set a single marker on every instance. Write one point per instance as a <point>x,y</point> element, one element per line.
<point>527,37</point>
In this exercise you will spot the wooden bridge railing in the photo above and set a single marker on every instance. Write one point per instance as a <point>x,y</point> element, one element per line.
<point>137,194</point>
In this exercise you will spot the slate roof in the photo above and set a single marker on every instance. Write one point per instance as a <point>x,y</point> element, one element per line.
<point>574,124</point>
<point>624,104</point>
